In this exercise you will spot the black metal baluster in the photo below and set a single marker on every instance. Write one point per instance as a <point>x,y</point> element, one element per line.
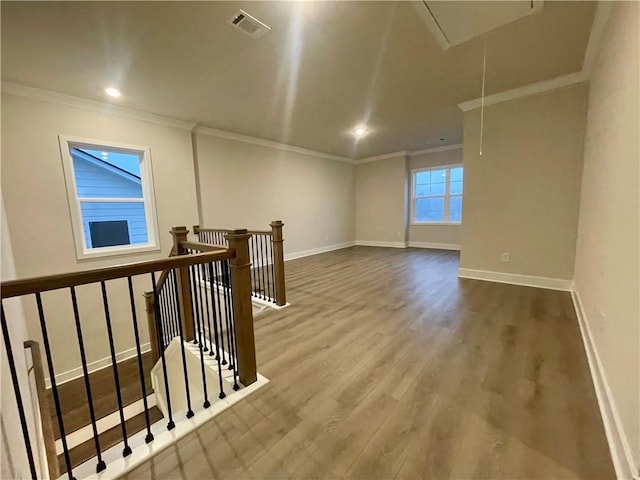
<point>257,268</point>
<point>198,281</point>
<point>112,350</point>
<point>273,273</point>
<point>223,292</point>
<point>219,270</point>
<point>54,386</point>
<point>76,314</point>
<point>231,319</point>
<point>174,304</point>
<point>254,269</point>
<point>215,328</point>
<point>181,335</point>
<point>163,309</point>
<point>171,424</point>
<point>217,317</point>
<point>177,323</point>
<point>167,333</point>
<point>268,258</point>
<point>16,391</point>
<point>196,340</point>
<point>196,324</point>
<point>206,303</point>
<point>262,259</point>
<point>192,289</point>
<point>149,437</point>
<point>194,306</point>
<point>167,293</point>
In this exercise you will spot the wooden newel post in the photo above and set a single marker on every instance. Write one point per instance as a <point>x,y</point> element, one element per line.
<point>151,324</point>
<point>278,261</point>
<point>184,287</point>
<point>240,268</point>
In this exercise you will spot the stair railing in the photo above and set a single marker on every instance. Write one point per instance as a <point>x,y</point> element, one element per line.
<point>130,278</point>
<point>266,254</point>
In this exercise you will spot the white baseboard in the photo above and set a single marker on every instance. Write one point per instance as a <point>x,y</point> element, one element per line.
<point>97,365</point>
<point>525,280</point>
<point>371,243</point>
<point>317,251</point>
<point>618,444</point>
<point>437,246</point>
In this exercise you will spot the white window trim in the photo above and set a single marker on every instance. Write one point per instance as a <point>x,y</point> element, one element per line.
<point>447,195</point>
<point>148,198</point>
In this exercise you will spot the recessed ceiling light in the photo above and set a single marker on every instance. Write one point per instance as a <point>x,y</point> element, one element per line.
<point>360,131</point>
<point>112,92</point>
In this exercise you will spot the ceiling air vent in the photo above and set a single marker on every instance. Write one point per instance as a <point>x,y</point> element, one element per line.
<point>248,24</point>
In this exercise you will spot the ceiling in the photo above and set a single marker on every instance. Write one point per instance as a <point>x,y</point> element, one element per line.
<point>322,69</point>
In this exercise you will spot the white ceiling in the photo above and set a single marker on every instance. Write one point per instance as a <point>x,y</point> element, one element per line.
<point>322,69</point>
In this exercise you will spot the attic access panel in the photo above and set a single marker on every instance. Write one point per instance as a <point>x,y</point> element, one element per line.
<point>453,23</point>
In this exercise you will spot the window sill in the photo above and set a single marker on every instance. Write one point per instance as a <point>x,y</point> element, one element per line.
<point>421,224</point>
<point>116,251</point>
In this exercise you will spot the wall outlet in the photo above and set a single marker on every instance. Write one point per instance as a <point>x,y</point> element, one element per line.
<point>398,234</point>
<point>504,257</point>
<point>326,236</point>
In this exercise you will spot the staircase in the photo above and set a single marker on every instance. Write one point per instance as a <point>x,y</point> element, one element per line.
<point>200,304</point>
<point>75,411</point>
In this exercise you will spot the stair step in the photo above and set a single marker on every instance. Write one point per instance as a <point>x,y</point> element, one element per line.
<point>85,451</point>
<point>73,397</point>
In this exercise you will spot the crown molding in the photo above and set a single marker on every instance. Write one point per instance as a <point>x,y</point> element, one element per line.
<point>214,132</point>
<point>384,156</point>
<point>101,107</point>
<point>60,98</point>
<point>443,148</point>
<point>531,89</point>
<point>405,153</point>
<point>603,10</point>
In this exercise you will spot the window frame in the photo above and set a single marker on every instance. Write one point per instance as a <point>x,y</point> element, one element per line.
<point>74,201</point>
<point>447,195</point>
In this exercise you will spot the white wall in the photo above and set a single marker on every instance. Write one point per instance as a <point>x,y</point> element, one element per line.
<point>381,202</point>
<point>38,214</point>
<point>607,254</point>
<point>521,196</point>
<point>247,186</point>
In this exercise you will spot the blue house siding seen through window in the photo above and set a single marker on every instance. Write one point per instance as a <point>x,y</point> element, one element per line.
<point>96,178</point>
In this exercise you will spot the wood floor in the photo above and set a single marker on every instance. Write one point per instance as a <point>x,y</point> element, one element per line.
<point>386,365</point>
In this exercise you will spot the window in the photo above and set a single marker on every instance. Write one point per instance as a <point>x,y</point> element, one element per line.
<point>110,192</point>
<point>437,195</point>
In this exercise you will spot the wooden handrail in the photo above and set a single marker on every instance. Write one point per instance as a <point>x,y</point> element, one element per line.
<point>197,229</point>
<point>202,247</point>
<point>45,412</point>
<point>15,288</point>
